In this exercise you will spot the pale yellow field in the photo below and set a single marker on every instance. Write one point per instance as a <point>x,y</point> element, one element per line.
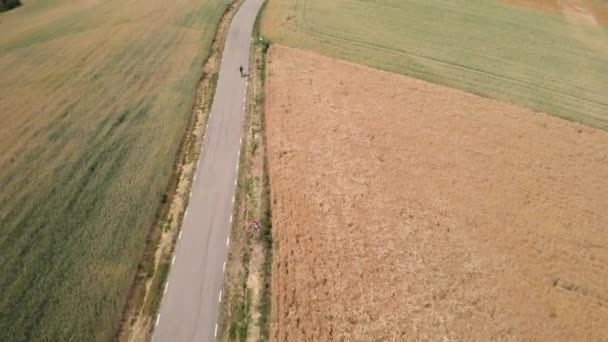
<point>551,62</point>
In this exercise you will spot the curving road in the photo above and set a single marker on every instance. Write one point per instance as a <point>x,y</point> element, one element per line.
<point>190,306</point>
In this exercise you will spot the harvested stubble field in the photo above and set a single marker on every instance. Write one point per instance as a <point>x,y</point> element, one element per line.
<point>404,210</point>
<point>551,62</point>
<point>96,97</point>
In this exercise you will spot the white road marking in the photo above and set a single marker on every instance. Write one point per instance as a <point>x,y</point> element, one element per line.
<point>180,235</point>
<point>190,192</point>
<point>230,218</point>
<point>233,195</point>
<point>215,333</point>
<point>173,260</point>
<point>235,184</point>
<point>166,287</point>
<point>157,318</point>
<point>240,143</point>
<point>227,241</point>
<point>220,297</point>
<point>224,267</point>
<point>244,107</point>
<point>194,179</point>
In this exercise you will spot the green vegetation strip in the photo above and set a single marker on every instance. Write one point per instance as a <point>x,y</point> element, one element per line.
<point>265,303</point>
<point>541,60</point>
<point>158,285</point>
<point>265,237</point>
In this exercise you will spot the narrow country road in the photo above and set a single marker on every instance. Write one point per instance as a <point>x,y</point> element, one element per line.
<point>189,309</point>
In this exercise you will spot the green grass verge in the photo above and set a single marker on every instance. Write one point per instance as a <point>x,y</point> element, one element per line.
<point>537,59</point>
<point>265,236</point>
<point>158,287</point>
<point>239,328</point>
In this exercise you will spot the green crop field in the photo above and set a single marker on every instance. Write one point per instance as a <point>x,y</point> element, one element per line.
<point>95,99</point>
<point>545,61</point>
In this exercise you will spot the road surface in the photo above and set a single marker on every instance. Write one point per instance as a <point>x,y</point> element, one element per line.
<point>189,309</point>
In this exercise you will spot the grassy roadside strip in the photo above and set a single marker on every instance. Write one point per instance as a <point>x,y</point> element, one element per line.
<point>149,284</point>
<point>265,304</point>
<point>245,307</point>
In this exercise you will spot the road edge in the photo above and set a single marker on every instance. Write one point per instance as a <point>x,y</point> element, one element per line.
<point>141,308</point>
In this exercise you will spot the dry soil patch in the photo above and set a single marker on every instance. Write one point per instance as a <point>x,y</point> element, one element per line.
<point>404,210</point>
<point>593,12</point>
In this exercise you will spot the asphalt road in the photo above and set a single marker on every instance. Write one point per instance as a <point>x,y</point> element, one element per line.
<point>189,309</point>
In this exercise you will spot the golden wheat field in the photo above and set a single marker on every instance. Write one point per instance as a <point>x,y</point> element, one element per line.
<point>408,211</point>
